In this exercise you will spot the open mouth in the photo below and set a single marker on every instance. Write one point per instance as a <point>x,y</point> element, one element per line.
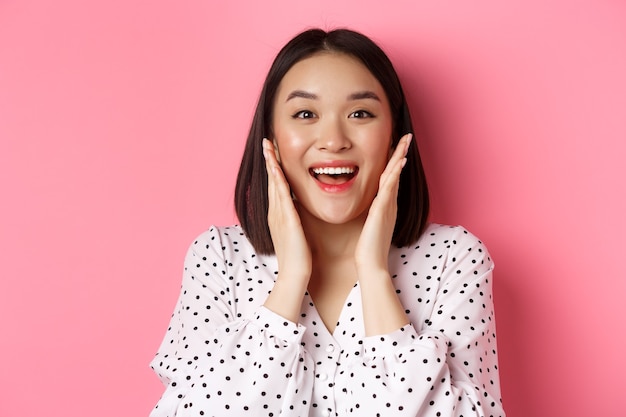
<point>334,175</point>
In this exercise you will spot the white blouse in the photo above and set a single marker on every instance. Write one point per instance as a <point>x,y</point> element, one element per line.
<point>225,354</point>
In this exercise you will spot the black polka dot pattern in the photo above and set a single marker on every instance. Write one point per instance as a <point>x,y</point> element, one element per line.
<point>225,354</point>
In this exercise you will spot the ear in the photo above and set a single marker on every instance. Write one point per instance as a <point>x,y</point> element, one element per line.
<point>276,149</point>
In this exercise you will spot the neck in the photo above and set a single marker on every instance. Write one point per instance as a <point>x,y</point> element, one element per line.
<point>331,241</point>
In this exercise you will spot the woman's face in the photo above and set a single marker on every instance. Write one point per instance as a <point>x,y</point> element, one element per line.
<point>332,126</point>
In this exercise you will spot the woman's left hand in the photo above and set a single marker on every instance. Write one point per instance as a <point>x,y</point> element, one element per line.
<point>372,249</point>
<point>382,310</point>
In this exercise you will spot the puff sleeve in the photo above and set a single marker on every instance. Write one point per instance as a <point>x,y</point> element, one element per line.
<point>218,361</point>
<point>445,365</point>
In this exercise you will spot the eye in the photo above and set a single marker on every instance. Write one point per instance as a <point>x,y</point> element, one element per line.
<point>304,114</point>
<point>361,114</point>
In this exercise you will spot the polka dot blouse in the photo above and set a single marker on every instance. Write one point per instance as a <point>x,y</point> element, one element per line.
<point>224,354</point>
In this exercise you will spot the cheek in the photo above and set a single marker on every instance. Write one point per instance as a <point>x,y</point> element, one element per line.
<point>290,150</point>
<point>291,145</point>
<point>378,146</point>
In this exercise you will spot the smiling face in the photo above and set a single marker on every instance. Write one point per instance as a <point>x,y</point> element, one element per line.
<point>332,126</point>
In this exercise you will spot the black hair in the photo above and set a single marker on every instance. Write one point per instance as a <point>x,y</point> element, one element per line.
<point>251,201</point>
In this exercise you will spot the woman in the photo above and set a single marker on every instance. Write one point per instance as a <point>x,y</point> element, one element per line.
<point>334,297</point>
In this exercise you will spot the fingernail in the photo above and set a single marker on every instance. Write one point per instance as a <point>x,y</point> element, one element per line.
<point>403,162</point>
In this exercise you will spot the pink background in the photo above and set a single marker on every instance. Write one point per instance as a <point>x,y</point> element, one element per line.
<point>121,127</point>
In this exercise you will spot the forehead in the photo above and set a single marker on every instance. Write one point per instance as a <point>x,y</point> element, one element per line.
<point>329,73</point>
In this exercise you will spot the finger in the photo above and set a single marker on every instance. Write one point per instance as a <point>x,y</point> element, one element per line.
<point>403,146</point>
<point>270,175</point>
<point>398,154</point>
<point>391,174</point>
<point>280,186</point>
<point>268,154</point>
<point>392,182</point>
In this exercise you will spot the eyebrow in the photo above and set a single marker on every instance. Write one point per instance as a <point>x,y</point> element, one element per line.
<point>301,94</point>
<point>360,95</point>
<point>364,95</point>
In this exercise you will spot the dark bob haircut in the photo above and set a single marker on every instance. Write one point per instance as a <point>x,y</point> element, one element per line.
<point>251,201</point>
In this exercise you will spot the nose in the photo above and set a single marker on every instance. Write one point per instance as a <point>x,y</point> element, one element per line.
<point>332,136</point>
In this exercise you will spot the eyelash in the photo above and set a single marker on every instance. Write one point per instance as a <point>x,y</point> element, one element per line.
<point>364,112</point>
<point>301,114</point>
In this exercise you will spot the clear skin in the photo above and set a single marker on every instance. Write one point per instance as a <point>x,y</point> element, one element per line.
<point>330,108</point>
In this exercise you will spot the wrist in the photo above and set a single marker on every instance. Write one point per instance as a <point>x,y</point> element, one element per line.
<point>372,273</point>
<point>292,277</point>
<point>382,310</point>
<point>285,299</point>
<point>291,284</point>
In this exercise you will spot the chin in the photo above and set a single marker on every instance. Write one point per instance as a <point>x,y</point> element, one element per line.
<point>333,211</point>
<point>340,216</point>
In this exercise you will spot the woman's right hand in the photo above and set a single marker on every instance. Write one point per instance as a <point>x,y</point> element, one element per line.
<point>290,244</point>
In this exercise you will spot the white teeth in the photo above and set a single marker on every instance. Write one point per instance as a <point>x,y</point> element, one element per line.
<point>333,170</point>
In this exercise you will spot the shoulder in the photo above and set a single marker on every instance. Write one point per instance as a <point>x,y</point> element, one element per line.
<point>222,239</point>
<point>448,244</point>
<point>228,244</point>
<point>436,233</point>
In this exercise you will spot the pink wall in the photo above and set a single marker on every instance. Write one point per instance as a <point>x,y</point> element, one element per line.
<point>121,127</point>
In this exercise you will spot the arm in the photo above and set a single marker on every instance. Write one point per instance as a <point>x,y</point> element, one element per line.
<point>214,361</point>
<point>448,367</point>
<point>382,310</point>
<point>290,245</point>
